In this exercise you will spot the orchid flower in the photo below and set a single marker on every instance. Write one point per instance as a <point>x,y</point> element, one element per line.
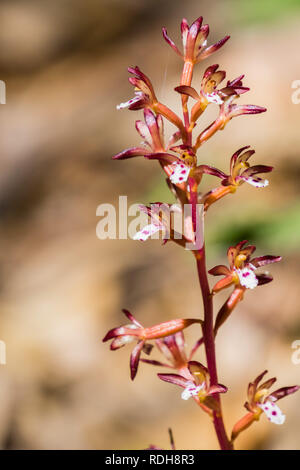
<point>144,93</point>
<point>194,40</point>
<point>241,172</point>
<point>228,109</point>
<point>260,400</point>
<point>125,334</point>
<point>196,385</point>
<point>242,267</point>
<point>152,133</point>
<point>209,93</point>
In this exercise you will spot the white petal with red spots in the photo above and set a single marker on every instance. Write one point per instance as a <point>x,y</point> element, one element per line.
<point>136,98</point>
<point>191,390</point>
<point>146,232</point>
<point>214,98</point>
<point>273,412</point>
<point>247,278</point>
<point>257,182</point>
<point>180,173</point>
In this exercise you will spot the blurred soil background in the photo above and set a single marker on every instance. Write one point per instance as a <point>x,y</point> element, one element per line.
<point>64,63</point>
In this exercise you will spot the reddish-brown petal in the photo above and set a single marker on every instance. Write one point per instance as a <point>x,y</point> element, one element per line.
<point>219,270</point>
<point>139,74</point>
<point>284,391</point>
<point>263,260</point>
<point>155,363</point>
<point>236,82</point>
<point>209,170</point>
<point>174,379</point>
<point>247,251</point>
<point>263,279</point>
<point>196,33</point>
<point>131,318</point>
<point>195,366</point>
<point>173,139</point>
<point>139,104</point>
<point>195,26</point>
<point>210,70</point>
<point>211,49</point>
<point>196,346</point>
<point>211,79</point>
<point>267,384</point>
<point>217,389</point>
<point>223,283</point>
<point>231,255</point>
<point>236,110</point>
<point>122,331</point>
<point>179,340</point>
<point>239,246</point>
<point>256,169</point>
<point>163,348</point>
<point>132,152</point>
<point>175,345</point>
<point>154,130</point>
<point>187,90</point>
<point>163,157</point>
<point>245,156</point>
<point>259,378</point>
<point>134,359</point>
<point>251,392</point>
<point>144,132</point>
<point>235,157</point>
<point>140,85</point>
<point>170,42</point>
<point>117,343</point>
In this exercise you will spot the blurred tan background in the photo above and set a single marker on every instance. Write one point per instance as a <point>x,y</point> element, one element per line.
<point>64,63</point>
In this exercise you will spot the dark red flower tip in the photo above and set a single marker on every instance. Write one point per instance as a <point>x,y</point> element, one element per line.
<point>135,358</point>
<point>110,334</point>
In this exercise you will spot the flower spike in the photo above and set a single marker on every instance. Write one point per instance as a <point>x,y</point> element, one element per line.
<point>177,156</point>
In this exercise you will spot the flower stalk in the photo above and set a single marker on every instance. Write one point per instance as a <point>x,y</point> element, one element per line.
<point>209,344</point>
<point>179,162</point>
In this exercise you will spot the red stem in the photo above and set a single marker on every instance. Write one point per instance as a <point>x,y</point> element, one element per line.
<point>209,344</point>
<point>208,326</point>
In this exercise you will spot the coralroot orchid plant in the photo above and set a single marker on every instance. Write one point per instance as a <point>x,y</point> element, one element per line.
<point>178,159</point>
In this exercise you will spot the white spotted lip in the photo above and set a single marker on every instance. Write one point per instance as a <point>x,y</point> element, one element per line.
<point>180,173</point>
